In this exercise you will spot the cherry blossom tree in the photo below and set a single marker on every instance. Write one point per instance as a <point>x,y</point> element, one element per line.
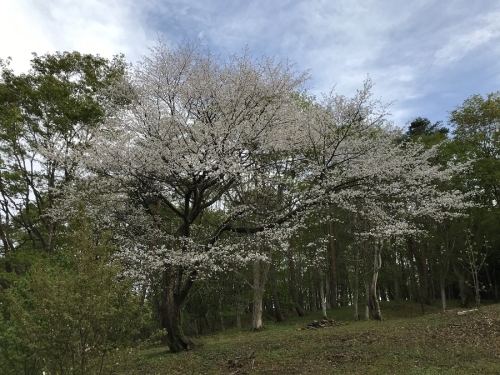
<point>196,127</point>
<point>214,162</point>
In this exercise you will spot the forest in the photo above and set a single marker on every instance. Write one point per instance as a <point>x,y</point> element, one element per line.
<point>189,194</point>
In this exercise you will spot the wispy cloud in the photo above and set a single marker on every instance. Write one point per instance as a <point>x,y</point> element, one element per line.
<point>420,54</point>
<point>480,31</point>
<point>89,26</point>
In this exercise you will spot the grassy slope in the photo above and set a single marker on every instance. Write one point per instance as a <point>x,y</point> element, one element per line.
<point>405,343</point>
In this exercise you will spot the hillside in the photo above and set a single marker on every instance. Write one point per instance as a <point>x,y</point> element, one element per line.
<point>404,343</point>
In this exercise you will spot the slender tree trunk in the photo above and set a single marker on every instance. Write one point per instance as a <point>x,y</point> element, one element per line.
<point>442,287</point>
<point>221,315</point>
<point>144,290</point>
<point>239,305</point>
<point>425,275</point>
<point>276,300</point>
<point>327,292</point>
<point>397,293</point>
<point>293,283</point>
<point>475,278</point>
<point>444,266</point>
<point>355,297</point>
<point>259,283</point>
<point>322,294</point>
<point>333,266</point>
<point>373,298</point>
<point>238,320</point>
<point>313,300</point>
<point>277,308</point>
<point>495,285</point>
<point>418,263</point>
<point>367,297</point>
<point>344,298</point>
<point>488,277</point>
<point>461,285</point>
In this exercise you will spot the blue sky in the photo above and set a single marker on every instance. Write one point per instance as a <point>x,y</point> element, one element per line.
<point>425,56</point>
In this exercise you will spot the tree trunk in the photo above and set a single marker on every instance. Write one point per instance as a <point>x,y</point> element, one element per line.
<point>367,297</point>
<point>322,294</point>
<point>170,313</point>
<point>293,283</point>
<point>373,298</point>
<point>333,266</point>
<point>425,275</point>
<point>495,285</point>
<point>442,287</point>
<point>396,276</point>
<point>257,310</point>
<point>239,305</point>
<point>276,300</point>
<point>259,283</point>
<point>461,285</point>
<point>344,299</point>
<point>355,297</point>
<point>313,298</point>
<point>221,315</point>
<point>144,290</point>
<point>490,284</point>
<point>419,260</point>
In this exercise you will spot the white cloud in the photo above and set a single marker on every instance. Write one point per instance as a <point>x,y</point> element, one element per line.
<point>90,26</point>
<point>414,51</point>
<point>482,30</point>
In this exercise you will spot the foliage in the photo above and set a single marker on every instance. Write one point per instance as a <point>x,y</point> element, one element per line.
<point>421,127</point>
<point>477,138</point>
<point>70,313</point>
<point>211,163</point>
<point>197,167</point>
<point>47,117</point>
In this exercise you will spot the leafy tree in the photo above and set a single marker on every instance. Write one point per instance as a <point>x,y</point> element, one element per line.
<point>47,117</point>
<point>477,140</point>
<point>422,126</point>
<point>71,312</point>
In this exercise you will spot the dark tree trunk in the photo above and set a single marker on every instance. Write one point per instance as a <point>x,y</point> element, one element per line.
<point>495,285</point>
<point>144,290</point>
<point>419,260</point>
<point>464,293</point>
<point>344,299</point>
<point>425,275</point>
<point>442,288</point>
<point>355,296</point>
<point>173,297</point>
<point>372,298</point>
<point>397,293</point>
<point>313,297</point>
<point>294,295</point>
<point>333,266</point>
<point>276,300</point>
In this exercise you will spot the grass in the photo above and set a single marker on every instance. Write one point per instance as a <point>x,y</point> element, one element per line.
<point>406,342</point>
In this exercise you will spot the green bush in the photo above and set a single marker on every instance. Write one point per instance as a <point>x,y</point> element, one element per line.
<point>71,314</point>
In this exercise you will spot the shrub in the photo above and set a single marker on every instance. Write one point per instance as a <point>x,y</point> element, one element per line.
<point>70,314</point>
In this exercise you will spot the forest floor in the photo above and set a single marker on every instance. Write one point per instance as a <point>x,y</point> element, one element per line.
<point>406,342</point>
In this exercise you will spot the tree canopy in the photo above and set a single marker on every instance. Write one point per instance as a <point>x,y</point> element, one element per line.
<point>200,187</point>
